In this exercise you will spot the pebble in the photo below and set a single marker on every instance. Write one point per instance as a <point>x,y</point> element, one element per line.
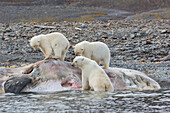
<point>83,26</point>
<point>132,35</point>
<point>138,34</point>
<point>163,31</point>
<point>78,29</point>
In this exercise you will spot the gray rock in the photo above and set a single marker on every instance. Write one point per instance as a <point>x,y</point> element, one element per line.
<point>124,38</point>
<point>12,34</point>
<point>83,25</point>
<point>78,29</point>
<point>104,36</point>
<point>138,34</point>
<point>132,36</point>
<point>8,30</point>
<point>163,31</point>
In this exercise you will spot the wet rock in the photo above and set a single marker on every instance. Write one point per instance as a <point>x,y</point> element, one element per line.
<point>124,38</point>
<point>12,34</point>
<point>104,36</point>
<point>132,36</point>
<point>44,27</point>
<point>114,37</point>
<point>8,30</point>
<point>148,42</point>
<point>138,34</point>
<point>1,38</point>
<point>163,31</point>
<point>78,29</point>
<point>83,25</point>
<point>135,30</point>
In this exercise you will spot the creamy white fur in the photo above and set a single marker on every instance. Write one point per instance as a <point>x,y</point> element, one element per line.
<point>93,76</point>
<point>55,43</point>
<point>97,51</point>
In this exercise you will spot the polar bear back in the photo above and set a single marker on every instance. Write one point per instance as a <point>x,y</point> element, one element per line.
<point>98,50</point>
<point>59,39</point>
<point>51,43</point>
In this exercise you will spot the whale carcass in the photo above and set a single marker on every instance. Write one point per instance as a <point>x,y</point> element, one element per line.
<point>55,75</point>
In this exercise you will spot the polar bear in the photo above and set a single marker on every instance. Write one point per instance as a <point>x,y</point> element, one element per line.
<point>97,51</point>
<point>93,76</point>
<point>51,43</point>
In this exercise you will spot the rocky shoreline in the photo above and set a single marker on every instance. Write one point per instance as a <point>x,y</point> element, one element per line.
<point>135,44</point>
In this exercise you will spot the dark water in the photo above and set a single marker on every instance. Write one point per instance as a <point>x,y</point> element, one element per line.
<point>85,101</point>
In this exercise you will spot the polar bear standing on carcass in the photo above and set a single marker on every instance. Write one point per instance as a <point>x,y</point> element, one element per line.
<point>97,51</point>
<point>93,76</point>
<point>55,43</point>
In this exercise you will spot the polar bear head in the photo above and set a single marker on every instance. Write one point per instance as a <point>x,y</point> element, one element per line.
<point>80,61</point>
<point>79,48</point>
<point>83,62</point>
<point>35,41</point>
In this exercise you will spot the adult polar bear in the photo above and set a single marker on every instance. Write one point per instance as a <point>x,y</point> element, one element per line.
<point>55,43</point>
<point>97,51</point>
<point>93,76</point>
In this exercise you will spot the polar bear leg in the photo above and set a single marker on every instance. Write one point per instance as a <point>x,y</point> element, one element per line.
<point>63,55</point>
<point>47,52</point>
<point>98,62</point>
<point>99,88</point>
<point>105,64</point>
<point>58,53</point>
<point>85,84</point>
<point>109,88</point>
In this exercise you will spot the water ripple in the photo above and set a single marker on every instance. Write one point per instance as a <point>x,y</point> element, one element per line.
<point>87,101</point>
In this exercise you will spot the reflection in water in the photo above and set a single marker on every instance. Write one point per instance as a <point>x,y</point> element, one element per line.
<point>84,101</point>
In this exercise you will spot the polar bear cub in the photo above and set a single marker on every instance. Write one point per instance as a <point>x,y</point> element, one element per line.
<point>93,76</point>
<point>51,43</point>
<point>97,51</point>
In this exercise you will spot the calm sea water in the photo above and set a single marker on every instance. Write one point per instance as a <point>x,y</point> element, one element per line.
<point>87,101</point>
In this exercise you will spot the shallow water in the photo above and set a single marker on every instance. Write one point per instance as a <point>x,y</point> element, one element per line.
<point>85,101</point>
<point>88,101</point>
